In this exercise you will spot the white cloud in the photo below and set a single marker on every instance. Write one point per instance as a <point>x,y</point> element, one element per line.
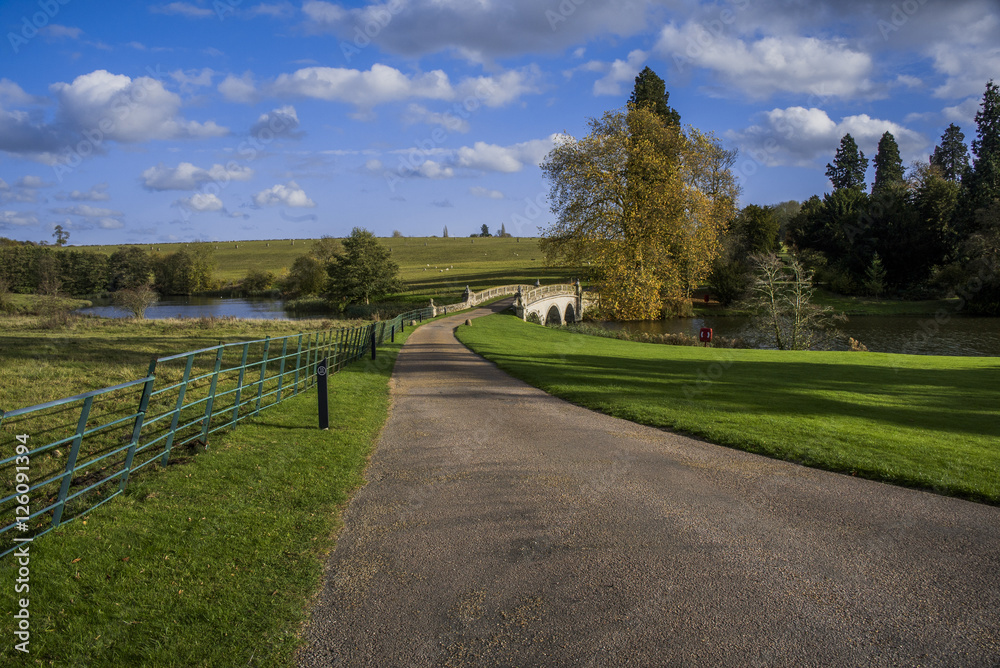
<point>513,158</point>
<point>499,91</point>
<point>479,191</point>
<point>967,68</point>
<point>19,218</point>
<point>239,89</point>
<point>963,113</point>
<point>615,73</point>
<point>416,113</point>
<point>110,224</point>
<point>187,176</point>
<point>796,64</point>
<point>87,211</point>
<point>192,79</point>
<point>202,202</point>
<point>364,89</point>
<point>431,169</point>
<point>97,193</point>
<point>801,137</point>
<point>182,9</point>
<point>373,165</point>
<point>277,122</point>
<point>125,109</point>
<point>31,181</point>
<point>288,195</point>
<point>13,94</point>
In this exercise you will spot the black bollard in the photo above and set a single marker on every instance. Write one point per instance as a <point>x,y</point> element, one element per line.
<point>324,414</point>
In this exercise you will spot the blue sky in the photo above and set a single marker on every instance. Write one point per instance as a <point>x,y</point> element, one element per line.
<point>133,122</point>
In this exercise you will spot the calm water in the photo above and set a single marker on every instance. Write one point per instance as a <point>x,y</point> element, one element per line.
<point>197,307</point>
<point>919,335</point>
<point>887,334</point>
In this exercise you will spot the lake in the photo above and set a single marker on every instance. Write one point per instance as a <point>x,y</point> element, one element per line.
<point>920,335</point>
<point>198,307</point>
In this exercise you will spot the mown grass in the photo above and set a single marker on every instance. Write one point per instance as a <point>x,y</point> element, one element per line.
<point>914,420</point>
<point>213,561</point>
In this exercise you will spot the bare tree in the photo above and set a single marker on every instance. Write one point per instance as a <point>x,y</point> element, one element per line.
<point>783,315</point>
<point>135,300</point>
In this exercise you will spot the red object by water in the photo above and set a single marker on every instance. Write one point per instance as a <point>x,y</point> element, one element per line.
<point>705,335</point>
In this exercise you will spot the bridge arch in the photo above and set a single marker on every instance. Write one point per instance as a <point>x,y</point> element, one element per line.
<point>553,316</point>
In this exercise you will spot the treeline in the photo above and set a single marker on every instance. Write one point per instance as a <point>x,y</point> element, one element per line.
<point>30,268</point>
<point>931,232</point>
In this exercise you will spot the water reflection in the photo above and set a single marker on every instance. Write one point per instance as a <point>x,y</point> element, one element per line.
<point>919,335</point>
<point>198,307</point>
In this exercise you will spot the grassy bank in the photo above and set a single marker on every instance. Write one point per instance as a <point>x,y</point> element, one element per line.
<point>921,421</point>
<point>850,306</point>
<point>214,561</point>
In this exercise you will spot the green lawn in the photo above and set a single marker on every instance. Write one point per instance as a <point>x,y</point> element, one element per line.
<point>921,421</point>
<point>212,561</point>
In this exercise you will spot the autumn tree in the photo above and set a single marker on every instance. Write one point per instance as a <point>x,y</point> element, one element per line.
<point>648,226</point>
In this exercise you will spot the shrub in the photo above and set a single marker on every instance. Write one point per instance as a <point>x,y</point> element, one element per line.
<point>135,300</point>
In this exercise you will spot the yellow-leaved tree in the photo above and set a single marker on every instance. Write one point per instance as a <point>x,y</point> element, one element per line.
<point>642,204</point>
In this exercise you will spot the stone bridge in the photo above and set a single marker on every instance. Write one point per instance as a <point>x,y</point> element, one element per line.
<point>561,303</point>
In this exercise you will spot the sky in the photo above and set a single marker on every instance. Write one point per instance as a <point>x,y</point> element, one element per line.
<point>215,120</point>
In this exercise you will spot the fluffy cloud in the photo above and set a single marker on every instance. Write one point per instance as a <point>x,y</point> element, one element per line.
<point>513,158</point>
<point>13,94</point>
<point>967,68</point>
<point>187,176</point>
<point>31,181</point>
<point>381,84</point>
<point>416,113</point>
<point>768,65</point>
<point>126,110</point>
<point>202,202</point>
<point>97,193</point>
<point>800,136</point>
<point>110,224</point>
<point>288,195</point>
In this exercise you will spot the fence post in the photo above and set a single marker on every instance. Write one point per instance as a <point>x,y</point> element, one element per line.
<point>373,340</point>
<point>324,410</point>
<point>147,390</point>
<point>177,409</point>
<point>263,373</point>
<point>239,383</point>
<point>281,370</point>
<point>207,422</point>
<point>81,426</point>
<point>298,364</point>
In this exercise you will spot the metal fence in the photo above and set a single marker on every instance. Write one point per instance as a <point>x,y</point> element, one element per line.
<point>71,455</point>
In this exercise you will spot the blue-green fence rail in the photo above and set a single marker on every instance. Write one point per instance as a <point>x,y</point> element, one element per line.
<point>80,451</point>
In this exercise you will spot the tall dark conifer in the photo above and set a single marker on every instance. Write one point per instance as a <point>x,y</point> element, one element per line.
<point>849,165</point>
<point>651,90</point>
<point>951,156</point>
<point>984,179</point>
<point>888,165</point>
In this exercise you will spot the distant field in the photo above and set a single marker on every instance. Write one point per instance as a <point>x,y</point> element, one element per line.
<point>430,266</point>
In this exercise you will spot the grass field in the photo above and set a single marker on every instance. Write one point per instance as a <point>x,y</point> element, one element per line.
<point>213,561</point>
<point>41,360</point>
<point>921,421</point>
<point>431,267</point>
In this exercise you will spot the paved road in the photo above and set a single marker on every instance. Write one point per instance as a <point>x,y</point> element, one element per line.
<point>504,527</point>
